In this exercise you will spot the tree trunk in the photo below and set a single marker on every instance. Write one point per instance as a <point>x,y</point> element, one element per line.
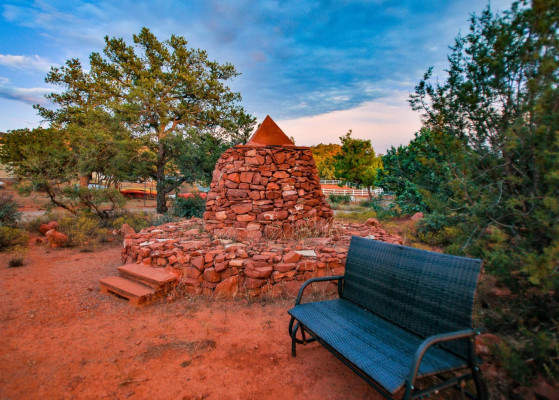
<point>161,201</point>
<point>370,192</point>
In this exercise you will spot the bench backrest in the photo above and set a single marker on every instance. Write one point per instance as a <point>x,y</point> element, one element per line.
<point>424,292</point>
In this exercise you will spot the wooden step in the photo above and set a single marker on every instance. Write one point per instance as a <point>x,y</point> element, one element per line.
<point>156,278</point>
<point>136,293</point>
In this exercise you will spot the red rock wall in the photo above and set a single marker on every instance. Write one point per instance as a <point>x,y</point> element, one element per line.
<point>266,191</point>
<point>226,268</point>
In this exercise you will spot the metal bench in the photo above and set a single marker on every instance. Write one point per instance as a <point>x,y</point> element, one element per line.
<point>402,314</point>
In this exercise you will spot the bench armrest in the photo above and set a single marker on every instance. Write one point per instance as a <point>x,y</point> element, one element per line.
<point>443,337</point>
<point>338,278</point>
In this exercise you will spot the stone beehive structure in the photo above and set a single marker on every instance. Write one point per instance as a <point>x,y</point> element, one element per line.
<point>266,188</point>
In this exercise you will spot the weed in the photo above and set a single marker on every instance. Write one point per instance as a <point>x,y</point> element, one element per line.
<point>17,258</point>
<point>339,198</point>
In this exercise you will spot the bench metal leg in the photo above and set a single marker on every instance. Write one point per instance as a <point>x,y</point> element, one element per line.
<point>481,387</point>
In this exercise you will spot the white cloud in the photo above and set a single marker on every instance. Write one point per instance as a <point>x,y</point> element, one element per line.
<point>26,95</point>
<point>25,62</point>
<point>386,122</point>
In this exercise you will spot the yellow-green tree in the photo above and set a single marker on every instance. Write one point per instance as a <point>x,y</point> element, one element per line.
<point>357,162</point>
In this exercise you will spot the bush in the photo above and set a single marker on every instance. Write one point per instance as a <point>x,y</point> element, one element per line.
<point>9,215</point>
<point>383,208</point>
<point>164,219</point>
<point>12,237</point>
<point>136,220</point>
<point>339,198</point>
<point>194,206</point>
<point>83,230</point>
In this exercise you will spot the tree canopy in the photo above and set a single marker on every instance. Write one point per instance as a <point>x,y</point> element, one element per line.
<point>357,162</point>
<point>323,155</point>
<point>486,166</point>
<point>168,96</point>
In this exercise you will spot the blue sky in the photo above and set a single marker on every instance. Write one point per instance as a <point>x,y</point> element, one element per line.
<point>318,68</point>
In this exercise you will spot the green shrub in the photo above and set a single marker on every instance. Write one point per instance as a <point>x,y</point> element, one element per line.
<point>194,206</point>
<point>339,198</point>
<point>137,220</point>
<point>383,208</point>
<point>9,215</point>
<point>12,237</point>
<point>164,219</point>
<point>83,230</point>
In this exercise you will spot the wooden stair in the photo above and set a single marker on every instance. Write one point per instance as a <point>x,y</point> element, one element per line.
<point>138,283</point>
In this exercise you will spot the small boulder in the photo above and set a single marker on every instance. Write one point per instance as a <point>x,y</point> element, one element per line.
<point>44,228</point>
<point>372,222</point>
<point>127,230</point>
<point>417,216</point>
<point>56,239</point>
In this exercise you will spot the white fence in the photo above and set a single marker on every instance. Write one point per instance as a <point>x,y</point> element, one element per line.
<point>352,192</point>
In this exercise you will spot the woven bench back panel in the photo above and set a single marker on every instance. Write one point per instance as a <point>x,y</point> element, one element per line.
<point>424,292</point>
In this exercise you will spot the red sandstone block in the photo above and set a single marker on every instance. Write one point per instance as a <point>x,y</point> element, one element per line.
<point>190,282</point>
<point>191,272</point>
<point>237,262</point>
<point>284,267</point>
<point>258,272</point>
<point>251,283</point>
<point>210,275</point>
<point>242,208</point>
<point>198,263</point>
<point>291,257</point>
<point>228,287</point>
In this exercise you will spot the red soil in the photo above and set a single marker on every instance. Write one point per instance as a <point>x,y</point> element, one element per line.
<point>61,338</point>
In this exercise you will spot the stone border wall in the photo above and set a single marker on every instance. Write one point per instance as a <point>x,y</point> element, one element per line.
<point>212,266</point>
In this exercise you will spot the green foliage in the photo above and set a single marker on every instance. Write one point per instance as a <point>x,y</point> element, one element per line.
<point>194,206</point>
<point>413,172</point>
<point>9,215</point>
<point>11,238</point>
<point>52,160</point>
<point>83,230</point>
<point>357,161</point>
<point>323,155</point>
<point>339,198</point>
<point>136,220</point>
<point>383,208</point>
<point>169,97</point>
<point>486,167</point>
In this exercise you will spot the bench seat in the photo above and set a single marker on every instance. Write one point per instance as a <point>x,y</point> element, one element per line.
<point>377,347</point>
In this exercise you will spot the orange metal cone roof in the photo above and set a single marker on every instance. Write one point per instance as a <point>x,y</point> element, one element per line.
<point>269,134</point>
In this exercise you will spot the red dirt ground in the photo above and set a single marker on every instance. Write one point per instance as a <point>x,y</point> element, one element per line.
<point>62,339</point>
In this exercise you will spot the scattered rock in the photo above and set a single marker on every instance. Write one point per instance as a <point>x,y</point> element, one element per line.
<point>372,222</point>
<point>417,216</point>
<point>127,230</point>
<point>44,228</point>
<point>56,239</point>
<point>544,390</point>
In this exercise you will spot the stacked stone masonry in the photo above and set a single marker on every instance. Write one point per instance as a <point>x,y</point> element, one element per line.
<point>209,265</point>
<point>265,191</point>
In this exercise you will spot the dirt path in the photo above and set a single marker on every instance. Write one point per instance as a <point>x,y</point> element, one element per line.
<point>62,339</point>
